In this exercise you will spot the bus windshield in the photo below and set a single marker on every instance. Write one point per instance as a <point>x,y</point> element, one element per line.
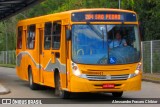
<point>105,44</point>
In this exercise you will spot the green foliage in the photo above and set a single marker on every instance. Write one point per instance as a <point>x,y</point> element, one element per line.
<point>148,14</point>
<point>8,28</point>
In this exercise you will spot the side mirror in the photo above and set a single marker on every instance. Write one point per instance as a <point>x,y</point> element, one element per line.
<point>68,34</point>
<point>141,31</point>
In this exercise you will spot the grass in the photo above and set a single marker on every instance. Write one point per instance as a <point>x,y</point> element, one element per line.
<point>152,77</point>
<point>8,65</point>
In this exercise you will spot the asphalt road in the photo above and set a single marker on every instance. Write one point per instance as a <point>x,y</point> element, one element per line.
<point>20,89</point>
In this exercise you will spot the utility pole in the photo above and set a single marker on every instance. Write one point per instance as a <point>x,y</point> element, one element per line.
<point>6,41</point>
<point>68,4</point>
<point>119,3</point>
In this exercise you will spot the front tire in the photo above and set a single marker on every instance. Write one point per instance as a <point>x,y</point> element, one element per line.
<point>58,90</point>
<point>117,94</point>
<point>32,85</point>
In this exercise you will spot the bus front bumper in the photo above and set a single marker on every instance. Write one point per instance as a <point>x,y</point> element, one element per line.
<point>83,85</point>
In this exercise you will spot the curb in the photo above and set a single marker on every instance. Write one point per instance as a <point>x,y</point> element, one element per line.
<point>148,80</point>
<point>5,66</point>
<point>4,90</point>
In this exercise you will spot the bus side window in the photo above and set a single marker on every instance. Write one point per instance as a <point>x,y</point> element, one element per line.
<point>47,35</point>
<point>19,38</point>
<point>56,35</point>
<point>31,37</point>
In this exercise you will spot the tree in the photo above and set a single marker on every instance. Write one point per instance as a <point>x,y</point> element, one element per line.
<point>148,14</point>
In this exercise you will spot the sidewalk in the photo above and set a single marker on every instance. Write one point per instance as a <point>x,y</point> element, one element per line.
<point>155,78</point>
<point>3,90</point>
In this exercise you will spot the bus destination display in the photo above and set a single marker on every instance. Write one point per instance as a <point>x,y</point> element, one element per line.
<point>103,16</point>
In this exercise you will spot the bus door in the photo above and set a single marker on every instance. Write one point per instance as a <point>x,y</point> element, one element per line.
<point>24,49</point>
<point>67,47</point>
<point>45,55</point>
<point>40,55</point>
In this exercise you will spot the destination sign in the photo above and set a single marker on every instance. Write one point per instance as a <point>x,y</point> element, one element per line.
<point>103,16</point>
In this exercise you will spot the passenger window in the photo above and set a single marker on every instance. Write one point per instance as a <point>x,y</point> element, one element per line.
<point>56,35</point>
<point>31,37</point>
<point>19,38</point>
<point>47,35</point>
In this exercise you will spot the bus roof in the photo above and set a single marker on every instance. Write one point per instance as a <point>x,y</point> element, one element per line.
<point>72,11</point>
<point>99,9</point>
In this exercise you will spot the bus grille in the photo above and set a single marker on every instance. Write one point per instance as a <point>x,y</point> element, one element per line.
<point>107,77</point>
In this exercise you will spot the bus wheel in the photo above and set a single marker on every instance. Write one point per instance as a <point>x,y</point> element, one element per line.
<point>58,91</point>
<point>32,85</point>
<point>117,94</point>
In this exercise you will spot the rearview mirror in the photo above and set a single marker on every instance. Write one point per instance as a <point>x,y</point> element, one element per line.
<point>68,34</point>
<point>140,31</point>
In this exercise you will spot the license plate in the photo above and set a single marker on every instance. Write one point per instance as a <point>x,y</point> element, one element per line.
<point>108,85</point>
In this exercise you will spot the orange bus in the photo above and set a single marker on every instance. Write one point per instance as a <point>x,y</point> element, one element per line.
<point>85,50</point>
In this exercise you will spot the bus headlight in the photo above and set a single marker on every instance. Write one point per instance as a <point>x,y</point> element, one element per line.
<point>76,71</point>
<point>136,72</point>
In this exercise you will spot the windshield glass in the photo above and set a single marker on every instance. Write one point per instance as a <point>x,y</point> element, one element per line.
<point>105,44</point>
